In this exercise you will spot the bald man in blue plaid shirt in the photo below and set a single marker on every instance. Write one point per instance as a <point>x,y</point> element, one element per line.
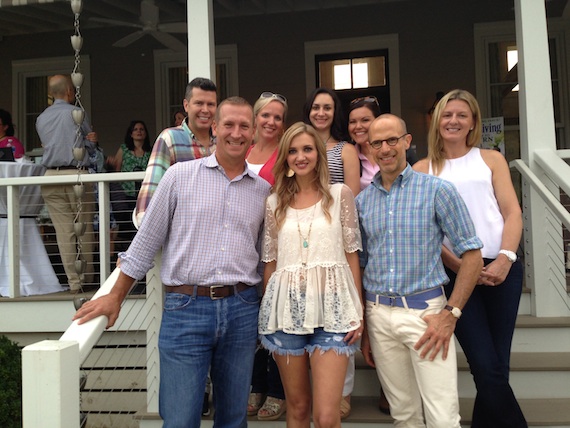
<point>404,216</point>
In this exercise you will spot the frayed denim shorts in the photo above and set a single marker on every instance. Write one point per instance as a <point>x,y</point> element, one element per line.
<point>282,343</point>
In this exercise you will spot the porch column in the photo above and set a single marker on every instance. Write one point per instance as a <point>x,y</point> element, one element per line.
<point>544,255</point>
<point>201,46</point>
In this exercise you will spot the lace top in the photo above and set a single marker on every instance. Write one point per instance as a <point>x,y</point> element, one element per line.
<point>312,286</point>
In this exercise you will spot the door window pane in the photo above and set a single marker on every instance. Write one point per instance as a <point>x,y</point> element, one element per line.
<point>352,73</point>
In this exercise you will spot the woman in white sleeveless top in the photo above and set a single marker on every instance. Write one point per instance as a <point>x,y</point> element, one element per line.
<point>486,327</point>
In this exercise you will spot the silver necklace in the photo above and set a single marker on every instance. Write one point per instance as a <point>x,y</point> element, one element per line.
<point>304,240</point>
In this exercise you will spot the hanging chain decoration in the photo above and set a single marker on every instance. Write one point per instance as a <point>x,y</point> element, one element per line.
<point>79,150</point>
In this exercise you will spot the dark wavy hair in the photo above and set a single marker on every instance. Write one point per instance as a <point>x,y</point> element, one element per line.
<point>6,118</point>
<point>129,139</point>
<point>338,127</point>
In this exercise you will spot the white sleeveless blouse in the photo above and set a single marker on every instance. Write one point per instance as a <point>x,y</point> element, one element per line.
<point>474,180</point>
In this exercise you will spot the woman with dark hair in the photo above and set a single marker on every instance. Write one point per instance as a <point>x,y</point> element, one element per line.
<point>178,117</point>
<point>7,138</point>
<point>323,110</point>
<point>133,155</point>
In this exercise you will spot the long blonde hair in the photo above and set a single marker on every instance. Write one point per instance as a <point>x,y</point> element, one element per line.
<point>436,155</point>
<point>286,187</point>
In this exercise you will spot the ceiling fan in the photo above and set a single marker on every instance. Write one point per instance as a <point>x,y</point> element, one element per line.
<point>149,25</point>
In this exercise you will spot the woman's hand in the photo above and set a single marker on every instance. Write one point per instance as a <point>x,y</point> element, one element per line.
<point>355,335</point>
<point>495,272</point>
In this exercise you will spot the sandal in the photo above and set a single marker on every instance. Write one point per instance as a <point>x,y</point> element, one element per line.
<point>272,409</point>
<point>345,407</point>
<point>254,403</point>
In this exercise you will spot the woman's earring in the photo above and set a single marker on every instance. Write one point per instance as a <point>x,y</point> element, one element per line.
<point>290,173</point>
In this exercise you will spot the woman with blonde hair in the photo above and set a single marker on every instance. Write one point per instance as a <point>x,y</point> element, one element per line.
<point>311,311</point>
<point>486,327</point>
<point>267,398</point>
<point>270,113</point>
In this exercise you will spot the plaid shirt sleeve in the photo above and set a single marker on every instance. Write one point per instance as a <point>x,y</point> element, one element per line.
<point>159,161</point>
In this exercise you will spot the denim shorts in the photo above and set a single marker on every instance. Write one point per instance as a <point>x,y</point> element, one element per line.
<point>282,343</point>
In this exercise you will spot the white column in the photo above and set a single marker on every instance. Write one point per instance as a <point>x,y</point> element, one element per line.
<point>542,232</point>
<point>50,384</point>
<point>201,46</point>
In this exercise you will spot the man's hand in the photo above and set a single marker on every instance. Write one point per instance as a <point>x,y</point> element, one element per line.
<point>107,305</point>
<point>439,331</point>
<point>366,350</point>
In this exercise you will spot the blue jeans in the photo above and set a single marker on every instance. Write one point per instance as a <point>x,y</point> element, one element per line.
<point>485,332</point>
<point>198,334</point>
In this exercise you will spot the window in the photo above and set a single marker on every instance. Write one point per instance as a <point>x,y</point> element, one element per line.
<point>497,80</point>
<point>172,78</point>
<point>356,67</point>
<point>30,89</point>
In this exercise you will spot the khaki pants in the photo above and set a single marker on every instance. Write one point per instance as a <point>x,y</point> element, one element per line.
<point>63,207</point>
<point>412,384</point>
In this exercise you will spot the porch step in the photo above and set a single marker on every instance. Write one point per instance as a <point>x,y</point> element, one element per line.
<point>542,375</point>
<point>365,414</point>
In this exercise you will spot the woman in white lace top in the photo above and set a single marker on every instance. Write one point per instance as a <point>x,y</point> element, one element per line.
<point>311,312</point>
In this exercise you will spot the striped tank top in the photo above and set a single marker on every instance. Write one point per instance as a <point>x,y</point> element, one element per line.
<point>334,158</point>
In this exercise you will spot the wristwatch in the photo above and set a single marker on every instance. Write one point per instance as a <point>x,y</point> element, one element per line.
<point>455,311</point>
<point>511,255</point>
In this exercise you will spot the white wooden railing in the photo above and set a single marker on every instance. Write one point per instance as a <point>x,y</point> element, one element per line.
<point>12,186</point>
<point>543,217</point>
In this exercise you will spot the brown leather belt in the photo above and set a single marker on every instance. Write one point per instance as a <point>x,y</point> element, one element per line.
<point>213,292</point>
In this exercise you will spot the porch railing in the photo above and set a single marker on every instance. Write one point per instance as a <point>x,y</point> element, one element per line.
<point>545,222</point>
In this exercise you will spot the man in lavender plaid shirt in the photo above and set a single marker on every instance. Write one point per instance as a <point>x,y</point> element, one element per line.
<point>207,215</point>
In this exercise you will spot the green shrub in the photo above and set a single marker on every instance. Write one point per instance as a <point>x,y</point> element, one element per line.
<point>10,384</point>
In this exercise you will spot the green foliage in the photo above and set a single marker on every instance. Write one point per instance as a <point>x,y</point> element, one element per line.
<point>10,384</point>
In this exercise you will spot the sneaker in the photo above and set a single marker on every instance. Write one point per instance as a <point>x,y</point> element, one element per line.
<point>206,405</point>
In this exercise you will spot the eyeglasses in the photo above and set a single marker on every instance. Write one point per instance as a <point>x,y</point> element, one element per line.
<point>272,95</point>
<point>371,99</point>
<point>392,141</point>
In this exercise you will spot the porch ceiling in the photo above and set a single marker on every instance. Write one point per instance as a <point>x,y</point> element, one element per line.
<point>20,17</point>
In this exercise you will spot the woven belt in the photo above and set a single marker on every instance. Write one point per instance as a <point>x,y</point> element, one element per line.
<point>414,301</point>
<point>213,292</point>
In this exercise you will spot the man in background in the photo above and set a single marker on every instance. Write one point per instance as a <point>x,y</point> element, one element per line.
<point>59,136</point>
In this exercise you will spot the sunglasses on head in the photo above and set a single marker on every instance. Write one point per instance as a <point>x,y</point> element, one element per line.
<point>371,99</point>
<point>272,95</point>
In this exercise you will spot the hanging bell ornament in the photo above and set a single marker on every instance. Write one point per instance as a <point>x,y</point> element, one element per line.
<point>78,190</point>
<point>76,6</point>
<point>79,228</point>
<point>79,153</point>
<point>76,42</point>
<point>78,116</point>
<point>80,266</point>
<point>77,79</point>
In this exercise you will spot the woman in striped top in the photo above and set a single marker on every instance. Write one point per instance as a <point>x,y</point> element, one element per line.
<point>323,111</point>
